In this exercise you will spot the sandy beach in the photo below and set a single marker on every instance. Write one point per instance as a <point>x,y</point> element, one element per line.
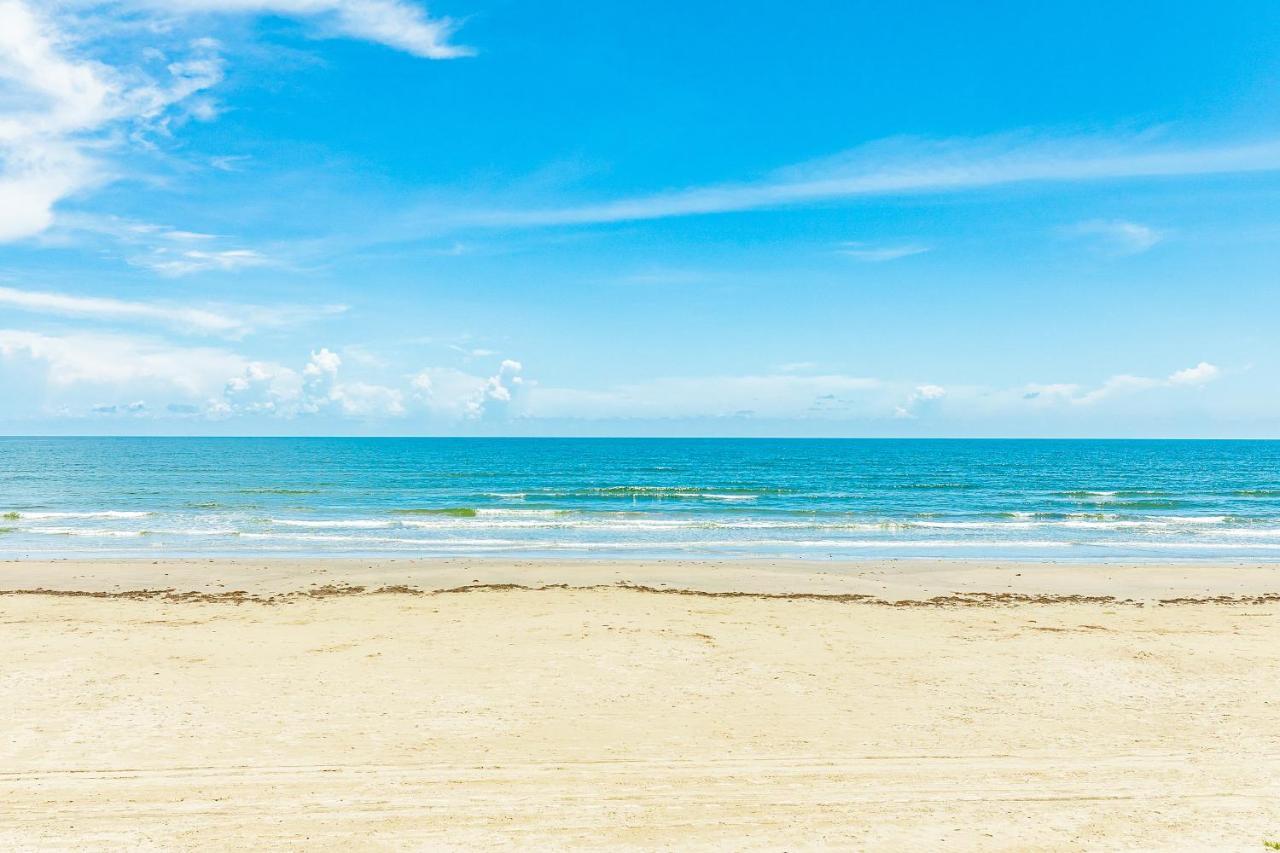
<point>457,704</point>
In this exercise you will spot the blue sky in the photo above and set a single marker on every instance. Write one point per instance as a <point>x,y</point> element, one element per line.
<point>492,217</point>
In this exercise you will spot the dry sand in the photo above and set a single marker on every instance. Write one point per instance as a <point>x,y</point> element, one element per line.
<point>1067,709</point>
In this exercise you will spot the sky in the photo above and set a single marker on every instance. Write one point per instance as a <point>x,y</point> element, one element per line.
<point>491,217</point>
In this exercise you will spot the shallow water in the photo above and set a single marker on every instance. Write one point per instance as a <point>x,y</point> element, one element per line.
<point>640,497</point>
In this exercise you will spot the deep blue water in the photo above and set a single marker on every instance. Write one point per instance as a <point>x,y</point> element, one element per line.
<point>640,497</point>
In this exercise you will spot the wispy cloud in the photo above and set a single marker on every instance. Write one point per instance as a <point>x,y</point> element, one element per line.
<point>1117,235</point>
<point>879,254</point>
<point>186,261</point>
<point>66,110</point>
<point>63,108</point>
<point>398,24</point>
<point>163,249</point>
<point>229,321</point>
<point>900,166</point>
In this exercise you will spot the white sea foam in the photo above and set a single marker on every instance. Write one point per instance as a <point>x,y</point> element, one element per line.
<point>86,531</point>
<point>1189,545</point>
<point>362,523</point>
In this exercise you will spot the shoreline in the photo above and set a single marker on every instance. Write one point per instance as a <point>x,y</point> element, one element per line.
<point>873,581</point>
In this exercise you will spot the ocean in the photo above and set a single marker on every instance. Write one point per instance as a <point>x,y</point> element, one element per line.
<point>690,498</point>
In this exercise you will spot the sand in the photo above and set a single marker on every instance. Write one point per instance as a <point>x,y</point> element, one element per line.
<point>294,704</point>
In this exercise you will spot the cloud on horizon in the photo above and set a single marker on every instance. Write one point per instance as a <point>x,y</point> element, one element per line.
<point>78,375</point>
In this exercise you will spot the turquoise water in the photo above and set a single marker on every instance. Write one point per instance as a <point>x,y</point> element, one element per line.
<point>639,497</point>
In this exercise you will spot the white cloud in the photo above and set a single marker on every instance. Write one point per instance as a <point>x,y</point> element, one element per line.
<point>920,397</point>
<point>323,389</point>
<point>123,363</point>
<point>361,399</point>
<point>59,109</point>
<point>118,309</point>
<point>1199,375</point>
<point>901,166</point>
<point>260,388</point>
<point>231,321</point>
<point>1117,235</point>
<point>167,262</point>
<point>104,375</point>
<point>77,371</point>
<point>456,394</point>
<point>878,254</point>
<point>400,24</point>
<point>50,98</point>
<point>1120,385</point>
<point>65,112</point>
<point>324,362</point>
<point>166,250</point>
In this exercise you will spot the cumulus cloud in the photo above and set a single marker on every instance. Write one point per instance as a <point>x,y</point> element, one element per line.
<point>920,397</point>
<point>1198,375</point>
<point>324,390</point>
<point>362,399</point>
<point>457,394</point>
<point>324,362</point>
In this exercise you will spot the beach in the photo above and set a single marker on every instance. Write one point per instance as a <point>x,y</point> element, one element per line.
<point>383,704</point>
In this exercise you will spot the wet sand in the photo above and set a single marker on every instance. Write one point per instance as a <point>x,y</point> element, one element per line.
<point>410,704</point>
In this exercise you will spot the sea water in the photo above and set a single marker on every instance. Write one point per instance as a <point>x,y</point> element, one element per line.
<point>691,498</point>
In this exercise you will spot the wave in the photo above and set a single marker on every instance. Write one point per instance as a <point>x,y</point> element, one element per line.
<point>454,511</point>
<point>45,516</point>
<point>742,493</point>
<point>929,487</point>
<point>1151,503</point>
<point>673,545</point>
<point>365,523</point>
<point>1112,493</point>
<point>1190,545</point>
